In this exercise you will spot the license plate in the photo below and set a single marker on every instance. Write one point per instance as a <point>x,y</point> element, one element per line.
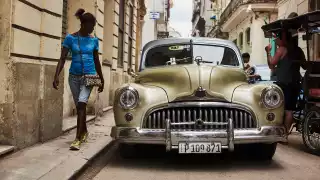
<point>201,148</point>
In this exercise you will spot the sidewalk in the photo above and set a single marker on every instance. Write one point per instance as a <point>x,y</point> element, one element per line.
<point>53,159</point>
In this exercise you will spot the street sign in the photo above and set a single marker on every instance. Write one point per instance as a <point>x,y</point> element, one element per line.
<point>154,15</point>
<point>162,34</point>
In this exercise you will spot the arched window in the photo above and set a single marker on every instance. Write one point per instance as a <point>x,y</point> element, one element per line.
<point>241,40</point>
<point>248,36</point>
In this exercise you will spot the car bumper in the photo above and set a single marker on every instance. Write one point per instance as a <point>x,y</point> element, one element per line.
<point>171,139</point>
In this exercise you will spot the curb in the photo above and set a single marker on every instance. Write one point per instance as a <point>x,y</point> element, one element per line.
<point>77,163</point>
<point>89,162</point>
<point>73,166</point>
<point>89,119</point>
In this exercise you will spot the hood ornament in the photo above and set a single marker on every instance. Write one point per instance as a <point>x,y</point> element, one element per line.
<point>200,92</point>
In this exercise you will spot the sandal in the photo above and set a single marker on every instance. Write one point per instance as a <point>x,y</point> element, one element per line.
<point>291,128</point>
<point>75,145</point>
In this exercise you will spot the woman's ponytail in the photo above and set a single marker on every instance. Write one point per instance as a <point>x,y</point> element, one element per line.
<point>79,13</point>
<point>85,17</point>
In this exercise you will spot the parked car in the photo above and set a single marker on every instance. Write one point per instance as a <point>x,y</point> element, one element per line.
<point>192,95</point>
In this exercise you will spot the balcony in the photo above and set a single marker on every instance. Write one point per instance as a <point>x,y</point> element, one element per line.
<point>257,5</point>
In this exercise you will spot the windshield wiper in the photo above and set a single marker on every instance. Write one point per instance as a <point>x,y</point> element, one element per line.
<point>184,59</point>
<point>206,61</point>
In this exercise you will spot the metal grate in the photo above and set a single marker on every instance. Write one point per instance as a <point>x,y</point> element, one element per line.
<point>185,118</point>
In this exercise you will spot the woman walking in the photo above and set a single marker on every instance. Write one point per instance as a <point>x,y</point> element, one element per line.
<point>85,70</point>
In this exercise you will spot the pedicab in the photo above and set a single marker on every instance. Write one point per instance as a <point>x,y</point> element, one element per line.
<point>307,115</point>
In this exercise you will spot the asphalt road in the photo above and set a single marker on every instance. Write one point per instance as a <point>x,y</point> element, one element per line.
<point>290,162</point>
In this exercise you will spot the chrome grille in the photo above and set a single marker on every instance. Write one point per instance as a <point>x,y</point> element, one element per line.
<point>213,118</point>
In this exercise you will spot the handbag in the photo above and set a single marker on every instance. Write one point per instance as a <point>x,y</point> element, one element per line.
<point>90,80</point>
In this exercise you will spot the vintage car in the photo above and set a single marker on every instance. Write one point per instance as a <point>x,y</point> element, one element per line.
<point>192,95</point>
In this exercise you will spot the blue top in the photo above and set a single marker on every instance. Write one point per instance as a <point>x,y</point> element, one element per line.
<point>88,45</point>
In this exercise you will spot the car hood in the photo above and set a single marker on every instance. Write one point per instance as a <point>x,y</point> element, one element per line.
<point>180,82</point>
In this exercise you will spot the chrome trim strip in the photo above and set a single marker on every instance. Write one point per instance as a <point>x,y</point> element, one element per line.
<point>230,135</point>
<point>193,97</point>
<point>265,134</point>
<point>204,123</point>
<point>168,135</point>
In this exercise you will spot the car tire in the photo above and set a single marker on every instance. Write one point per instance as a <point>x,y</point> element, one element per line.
<point>127,151</point>
<point>306,128</point>
<point>263,152</point>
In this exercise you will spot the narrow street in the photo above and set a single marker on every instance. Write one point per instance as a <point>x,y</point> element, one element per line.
<point>290,162</point>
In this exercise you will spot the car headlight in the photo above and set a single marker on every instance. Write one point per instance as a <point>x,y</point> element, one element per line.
<point>272,97</point>
<point>128,98</point>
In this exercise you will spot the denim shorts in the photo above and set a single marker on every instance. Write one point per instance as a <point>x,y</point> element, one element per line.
<point>79,91</point>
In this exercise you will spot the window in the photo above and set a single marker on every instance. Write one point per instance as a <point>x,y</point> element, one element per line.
<point>121,32</point>
<point>176,54</point>
<point>248,36</point>
<point>241,40</point>
<point>130,45</point>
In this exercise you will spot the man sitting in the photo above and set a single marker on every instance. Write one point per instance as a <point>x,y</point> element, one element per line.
<point>250,70</point>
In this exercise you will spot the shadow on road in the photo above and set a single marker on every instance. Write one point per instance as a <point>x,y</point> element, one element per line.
<point>295,142</point>
<point>155,158</point>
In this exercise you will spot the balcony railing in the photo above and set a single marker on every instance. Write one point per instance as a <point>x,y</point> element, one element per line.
<point>235,4</point>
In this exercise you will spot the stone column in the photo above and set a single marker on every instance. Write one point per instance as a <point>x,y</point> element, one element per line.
<point>6,98</point>
<point>32,110</point>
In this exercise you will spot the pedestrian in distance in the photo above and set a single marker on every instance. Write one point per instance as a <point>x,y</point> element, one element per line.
<point>85,70</point>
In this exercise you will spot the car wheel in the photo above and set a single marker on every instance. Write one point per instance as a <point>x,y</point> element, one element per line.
<point>264,152</point>
<point>311,130</point>
<point>127,151</point>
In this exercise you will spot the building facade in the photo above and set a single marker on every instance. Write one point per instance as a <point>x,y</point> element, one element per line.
<point>198,18</point>
<point>285,7</point>
<point>173,33</point>
<point>242,20</point>
<point>217,7</point>
<point>156,28</point>
<point>31,34</point>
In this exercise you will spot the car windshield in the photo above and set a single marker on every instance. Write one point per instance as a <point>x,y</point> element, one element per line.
<point>182,54</point>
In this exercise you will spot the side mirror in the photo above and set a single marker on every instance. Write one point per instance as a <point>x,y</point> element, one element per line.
<point>131,72</point>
